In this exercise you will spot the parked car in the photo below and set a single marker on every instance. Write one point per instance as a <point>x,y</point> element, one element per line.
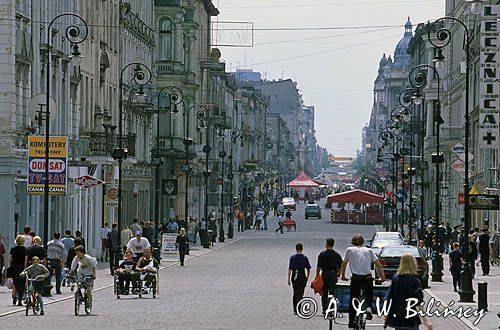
<point>384,238</point>
<point>289,203</point>
<point>390,257</point>
<point>312,210</point>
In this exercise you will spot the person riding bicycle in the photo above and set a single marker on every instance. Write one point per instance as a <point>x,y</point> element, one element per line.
<point>85,266</point>
<point>36,272</point>
<point>148,266</point>
<point>360,260</point>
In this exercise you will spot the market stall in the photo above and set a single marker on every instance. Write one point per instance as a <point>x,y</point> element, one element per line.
<point>356,206</point>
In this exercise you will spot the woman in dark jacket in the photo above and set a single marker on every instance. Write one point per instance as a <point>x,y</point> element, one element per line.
<point>405,285</point>
<point>182,243</point>
<point>16,267</point>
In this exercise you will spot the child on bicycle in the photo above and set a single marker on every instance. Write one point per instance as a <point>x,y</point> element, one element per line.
<point>36,272</point>
<point>85,266</point>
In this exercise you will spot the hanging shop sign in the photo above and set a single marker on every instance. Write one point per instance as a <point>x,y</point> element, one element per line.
<point>483,202</point>
<point>58,160</point>
<point>489,89</point>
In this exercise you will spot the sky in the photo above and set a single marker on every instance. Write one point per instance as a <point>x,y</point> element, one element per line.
<point>331,48</point>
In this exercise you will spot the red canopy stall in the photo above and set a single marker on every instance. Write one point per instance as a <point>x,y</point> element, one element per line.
<point>369,215</point>
<point>303,182</point>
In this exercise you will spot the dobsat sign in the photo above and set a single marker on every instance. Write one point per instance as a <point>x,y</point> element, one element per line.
<point>87,181</point>
<point>58,151</point>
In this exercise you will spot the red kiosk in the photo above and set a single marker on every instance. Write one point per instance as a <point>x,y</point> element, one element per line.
<point>303,183</point>
<point>368,215</point>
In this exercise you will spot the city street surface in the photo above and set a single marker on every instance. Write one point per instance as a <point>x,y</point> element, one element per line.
<point>239,284</point>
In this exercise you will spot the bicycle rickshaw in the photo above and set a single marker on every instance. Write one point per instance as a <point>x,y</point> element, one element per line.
<point>137,283</point>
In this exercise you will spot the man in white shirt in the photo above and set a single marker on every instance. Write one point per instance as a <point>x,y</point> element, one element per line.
<point>28,240</point>
<point>137,245</point>
<point>104,242</point>
<point>360,260</point>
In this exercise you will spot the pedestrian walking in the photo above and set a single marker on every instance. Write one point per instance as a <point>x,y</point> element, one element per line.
<point>259,217</point>
<point>299,269</point>
<point>147,231</point>
<point>16,264</point>
<point>240,216</point>
<point>28,239</point>
<point>78,234</point>
<point>264,219</point>
<point>35,250</point>
<point>484,248</point>
<point>449,230</point>
<point>125,236</point>
<point>104,242</point>
<point>182,244</point>
<point>55,257</point>
<point>456,261</point>
<point>495,249</point>
<point>329,264</point>
<point>404,286</point>
<point>135,227</point>
<point>192,228</point>
<point>280,223</point>
<point>112,240</point>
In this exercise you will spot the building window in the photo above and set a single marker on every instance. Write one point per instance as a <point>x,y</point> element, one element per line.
<point>165,40</point>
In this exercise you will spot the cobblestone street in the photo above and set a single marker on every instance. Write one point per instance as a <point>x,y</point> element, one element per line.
<point>240,284</point>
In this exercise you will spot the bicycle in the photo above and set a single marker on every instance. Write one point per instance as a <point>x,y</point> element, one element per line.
<point>32,296</point>
<point>81,294</point>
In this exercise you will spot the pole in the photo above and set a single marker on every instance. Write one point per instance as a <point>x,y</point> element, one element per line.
<point>437,274</point>
<point>422,170</point>
<point>410,178</point>
<point>206,149</point>
<point>222,155</point>
<point>403,182</point>
<point>72,33</point>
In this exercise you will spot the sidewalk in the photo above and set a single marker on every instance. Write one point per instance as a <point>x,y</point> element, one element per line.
<point>103,281</point>
<point>443,291</point>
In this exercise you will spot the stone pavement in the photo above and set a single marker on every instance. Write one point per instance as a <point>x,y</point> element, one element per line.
<point>103,281</point>
<point>443,291</point>
<point>240,284</point>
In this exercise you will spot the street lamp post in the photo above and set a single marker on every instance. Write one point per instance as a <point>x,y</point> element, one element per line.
<point>200,114</point>
<point>235,135</point>
<point>222,155</point>
<point>141,79</point>
<point>419,81</point>
<point>175,98</point>
<point>76,36</point>
<point>444,37</point>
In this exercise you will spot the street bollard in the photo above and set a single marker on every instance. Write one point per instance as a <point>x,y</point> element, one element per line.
<point>482,296</point>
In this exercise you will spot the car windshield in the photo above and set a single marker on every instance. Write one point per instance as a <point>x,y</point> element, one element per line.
<point>398,251</point>
<point>312,207</point>
<point>386,242</point>
<point>288,200</point>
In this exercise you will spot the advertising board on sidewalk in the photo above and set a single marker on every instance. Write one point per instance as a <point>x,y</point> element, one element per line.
<point>168,245</point>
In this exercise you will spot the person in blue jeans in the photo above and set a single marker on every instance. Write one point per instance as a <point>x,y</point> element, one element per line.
<point>299,269</point>
<point>329,263</point>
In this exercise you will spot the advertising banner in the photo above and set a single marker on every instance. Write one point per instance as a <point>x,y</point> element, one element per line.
<point>168,245</point>
<point>58,160</point>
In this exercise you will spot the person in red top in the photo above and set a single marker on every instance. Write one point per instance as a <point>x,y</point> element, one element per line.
<point>241,220</point>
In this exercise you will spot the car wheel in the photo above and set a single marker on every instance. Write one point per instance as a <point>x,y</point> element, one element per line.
<point>319,217</point>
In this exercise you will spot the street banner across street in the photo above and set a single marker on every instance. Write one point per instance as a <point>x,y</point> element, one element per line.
<point>58,160</point>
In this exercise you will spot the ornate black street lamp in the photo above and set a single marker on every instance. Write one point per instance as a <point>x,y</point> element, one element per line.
<point>140,78</point>
<point>443,38</point>
<point>201,114</point>
<point>76,36</point>
<point>236,135</point>
<point>175,97</point>
<point>418,80</point>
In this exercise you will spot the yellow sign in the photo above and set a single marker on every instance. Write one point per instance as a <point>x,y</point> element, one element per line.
<point>342,159</point>
<point>473,191</point>
<point>58,160</point>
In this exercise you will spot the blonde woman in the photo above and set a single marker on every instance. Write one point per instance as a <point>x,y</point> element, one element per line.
<point>16,266</point>
<point>36,250</point>
<point>405,285</point>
